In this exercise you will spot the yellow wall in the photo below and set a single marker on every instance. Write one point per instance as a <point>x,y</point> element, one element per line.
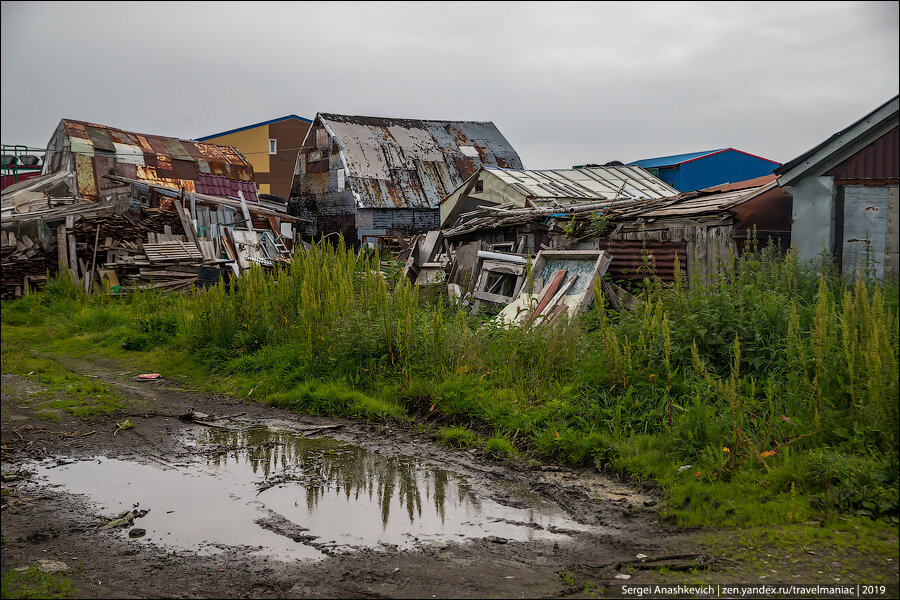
<point>253,144</point>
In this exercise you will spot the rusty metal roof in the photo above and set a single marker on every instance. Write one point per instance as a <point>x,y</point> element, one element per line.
<point>411,163</point>
<point>698,203</point>
<point>99,150</point>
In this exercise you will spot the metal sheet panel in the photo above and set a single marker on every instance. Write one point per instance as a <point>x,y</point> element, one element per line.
<point>812,218</point>
<point>892,239</point>
<point>637,259</point>
<point>879,160</point>
<point>865,229</point>
<point>84,176</point>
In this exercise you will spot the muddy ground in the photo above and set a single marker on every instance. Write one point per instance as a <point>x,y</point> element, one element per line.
<point>40,522</point>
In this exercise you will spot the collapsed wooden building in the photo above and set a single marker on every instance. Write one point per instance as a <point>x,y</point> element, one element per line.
<point>701,230</point>
<point>125,210</point>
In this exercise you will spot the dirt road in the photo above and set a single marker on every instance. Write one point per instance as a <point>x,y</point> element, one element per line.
<point>43,520</point>
<point>247,500</point>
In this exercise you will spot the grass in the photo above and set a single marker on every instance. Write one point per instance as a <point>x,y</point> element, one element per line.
<point>34,583</point>
<point>763,395</point>
<point>63,390</point>
<point>456,437</point>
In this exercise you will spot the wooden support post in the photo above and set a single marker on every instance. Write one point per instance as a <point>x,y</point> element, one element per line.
<point>73,258</point>
<point>90,280</point>
<point>61,253</point>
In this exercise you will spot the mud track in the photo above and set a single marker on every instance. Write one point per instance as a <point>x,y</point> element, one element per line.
<point>42,522</point>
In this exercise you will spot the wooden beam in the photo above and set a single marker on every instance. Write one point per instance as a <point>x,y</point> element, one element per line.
<point>90,279</point>
<point>61,253</point>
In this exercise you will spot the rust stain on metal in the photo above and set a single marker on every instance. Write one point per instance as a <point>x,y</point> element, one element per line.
<point>84,176</point>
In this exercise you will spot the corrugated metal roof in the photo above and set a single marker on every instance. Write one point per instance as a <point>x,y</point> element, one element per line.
<point>411,163</point>
<point>675,159</point>
<point>593,183</point>
<point>698,203</point>
<point>155,159</point>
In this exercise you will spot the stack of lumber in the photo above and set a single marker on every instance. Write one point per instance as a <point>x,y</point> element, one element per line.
<point>25,262</point>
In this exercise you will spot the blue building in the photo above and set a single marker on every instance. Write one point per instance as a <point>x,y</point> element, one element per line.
<point>699,170</point>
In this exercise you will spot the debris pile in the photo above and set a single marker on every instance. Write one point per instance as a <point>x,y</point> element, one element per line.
<point>136,235</point>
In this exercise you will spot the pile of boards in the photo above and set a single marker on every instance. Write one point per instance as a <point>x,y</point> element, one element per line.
<point>140,236</point>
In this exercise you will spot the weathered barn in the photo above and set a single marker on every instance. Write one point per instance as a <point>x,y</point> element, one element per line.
<point>845,195</point>
<point>492,186</point>
<point>700,170</point>
<point>91,151</point>
<point>372,176</point>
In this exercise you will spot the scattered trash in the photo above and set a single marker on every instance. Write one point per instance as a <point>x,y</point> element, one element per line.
<point>15,475</point>
<point>623,576</point>
<point>641,557</point>
<point>683,468</point>
<point>193,416</point>
<point>149,376</point>
<point>497,540</point>
<point>137,532</point>
<point>125,518</point>
<point>126,424</point>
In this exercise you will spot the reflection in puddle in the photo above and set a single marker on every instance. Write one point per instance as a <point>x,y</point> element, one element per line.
<point>279,494</point>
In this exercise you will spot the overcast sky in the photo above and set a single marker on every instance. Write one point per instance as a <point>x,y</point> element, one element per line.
<point>565,83</point>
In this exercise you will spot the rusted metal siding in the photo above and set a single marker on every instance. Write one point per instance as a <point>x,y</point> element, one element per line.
<point>880,160</point>
<point>633,260</point>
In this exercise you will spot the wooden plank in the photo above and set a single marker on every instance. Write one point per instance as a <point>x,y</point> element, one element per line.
<point>555,281</point>
<point>186,224</point>
<point>90,279</point>
<point>109,275</point>
<point>488,297</point>
<point>61,253</point>
<point>248,222</point>
<point>73,258</point>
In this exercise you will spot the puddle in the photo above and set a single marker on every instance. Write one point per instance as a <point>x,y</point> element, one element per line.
<point>278,494</point>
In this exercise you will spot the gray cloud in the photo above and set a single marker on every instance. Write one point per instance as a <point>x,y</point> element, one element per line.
<point>566,83</point>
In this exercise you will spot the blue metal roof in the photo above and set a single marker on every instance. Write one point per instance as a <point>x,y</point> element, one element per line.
<point>269,122</point>
<point>675,159</point>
